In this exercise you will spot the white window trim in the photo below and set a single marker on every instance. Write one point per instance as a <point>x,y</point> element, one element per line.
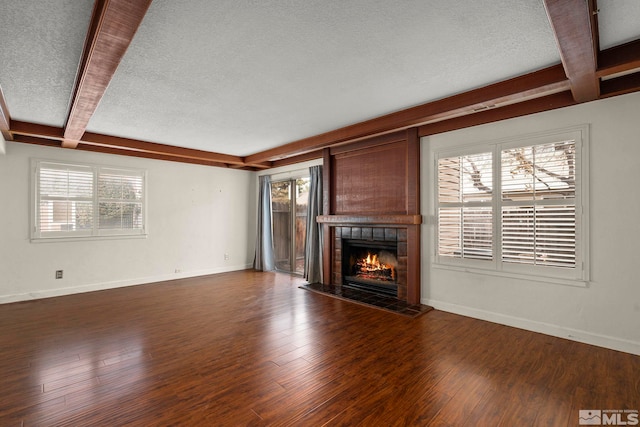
<point>95,233</point>
<point>578,276</point>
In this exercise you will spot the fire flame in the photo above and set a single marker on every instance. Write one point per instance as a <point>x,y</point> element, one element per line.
<point>371,262</point>
<point>372,265</point>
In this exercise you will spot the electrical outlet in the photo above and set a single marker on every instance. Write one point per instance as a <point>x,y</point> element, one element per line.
<point>178,270</point>
<point>226,257</point>
<point>58,274</point>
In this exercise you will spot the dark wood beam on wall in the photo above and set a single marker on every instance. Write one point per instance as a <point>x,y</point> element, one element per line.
<point>538,105</point>
<point>125,146</point>
<point>572,22</point>
<point>152,147</point>
<point>35,129</point>
<point>619,59</point>
<point>149,155</point>
<point>113,25</point>
<point>529,86</point>
<point>38,140</point>
<point>620,85</point>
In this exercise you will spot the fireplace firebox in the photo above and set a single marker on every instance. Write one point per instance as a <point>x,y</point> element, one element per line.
<point>370,265</point>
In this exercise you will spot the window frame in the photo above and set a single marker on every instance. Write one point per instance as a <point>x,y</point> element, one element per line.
<point>95,232</point>
<point>577,276</point>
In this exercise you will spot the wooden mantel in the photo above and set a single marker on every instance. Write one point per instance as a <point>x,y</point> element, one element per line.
<point>370,219</point>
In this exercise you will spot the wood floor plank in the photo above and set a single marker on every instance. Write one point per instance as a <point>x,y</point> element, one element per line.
<point>251,348</point>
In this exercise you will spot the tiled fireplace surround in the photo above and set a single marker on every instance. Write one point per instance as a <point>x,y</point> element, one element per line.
<point>372,193</point>
<point>397,236</point>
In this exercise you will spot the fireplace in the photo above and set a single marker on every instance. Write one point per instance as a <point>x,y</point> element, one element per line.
<point>370,266</point>
<point>371,215</point>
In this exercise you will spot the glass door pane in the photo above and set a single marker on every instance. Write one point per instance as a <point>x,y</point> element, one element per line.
<point>302,200</point>
<point>289,201</point>
<point>281,215</point>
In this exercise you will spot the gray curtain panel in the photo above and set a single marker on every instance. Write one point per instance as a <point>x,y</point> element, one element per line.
<point>265,258</point>
<point>313,247</point>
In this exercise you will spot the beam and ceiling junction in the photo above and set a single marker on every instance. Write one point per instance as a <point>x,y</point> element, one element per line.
<point>575,80</point>
<point>112,28</point>
<point>574,23</point>
<point>593,74</point>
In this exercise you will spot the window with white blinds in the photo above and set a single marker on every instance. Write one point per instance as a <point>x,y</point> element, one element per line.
<point>516,207</point>
<point>539,205</point>
<point>73,200</point>
<point>465,207</point>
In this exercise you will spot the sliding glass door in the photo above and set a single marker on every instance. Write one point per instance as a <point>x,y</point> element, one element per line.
<point>289,199</point>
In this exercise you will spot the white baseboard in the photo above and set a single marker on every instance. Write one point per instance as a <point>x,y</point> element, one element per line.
<point>48,293</point>
<point>599,340</point>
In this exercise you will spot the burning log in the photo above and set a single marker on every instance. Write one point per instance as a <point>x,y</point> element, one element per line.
<point>380,266</point>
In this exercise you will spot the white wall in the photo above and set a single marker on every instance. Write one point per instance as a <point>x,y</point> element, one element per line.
<point>607,311</point>
<point>196,214</point>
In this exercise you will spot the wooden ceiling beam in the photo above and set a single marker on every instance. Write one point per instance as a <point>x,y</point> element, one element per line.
<point>113,25</point>
<point>38,130</point>
<point>48,142</point>
<point>97,139</point>
<point>572,23</point>
<point>148,155</point>
<point>262,165</point>
<point>529,86</point>
<point>620,85</point>
<point>5,118</point>
<point>36,140</point>
<point>619,59</point>
<point>126,145</point>
<point>538,105</point>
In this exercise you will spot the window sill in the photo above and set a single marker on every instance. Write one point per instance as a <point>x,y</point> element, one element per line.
<point>86,238</point>
<point>519,276</point>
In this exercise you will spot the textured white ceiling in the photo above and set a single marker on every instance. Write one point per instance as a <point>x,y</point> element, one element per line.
<point>618,22</point>
<point>40,47</point>
<point>242,76</point>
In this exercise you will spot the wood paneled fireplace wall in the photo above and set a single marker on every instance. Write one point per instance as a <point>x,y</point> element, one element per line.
<point>372,196</point>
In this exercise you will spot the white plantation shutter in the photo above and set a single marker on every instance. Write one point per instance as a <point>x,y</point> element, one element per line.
<point>518,209</point>
<point>477,233</point>
<point>83,201</point>
<point>538,205</point>
<point>65,196</point>
<point>465,207</point>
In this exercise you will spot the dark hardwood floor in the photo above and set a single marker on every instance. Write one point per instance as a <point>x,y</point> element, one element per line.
<point>249,348</point>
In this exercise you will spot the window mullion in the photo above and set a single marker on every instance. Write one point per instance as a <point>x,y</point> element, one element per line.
<point>96,212</point>
<point>461,200</point>
<point>497,207</point>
